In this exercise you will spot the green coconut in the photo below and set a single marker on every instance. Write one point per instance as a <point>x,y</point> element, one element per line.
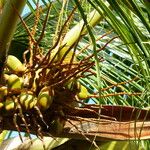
<point>14,64</point>
<point>14,82</point>
<point>45,98</point>
<point>27,100</point>
<point>9,104</point>
<point>3,92</point>
<point>83,94</point>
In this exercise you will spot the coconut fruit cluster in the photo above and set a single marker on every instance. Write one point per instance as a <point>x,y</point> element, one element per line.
<point>42,88</point>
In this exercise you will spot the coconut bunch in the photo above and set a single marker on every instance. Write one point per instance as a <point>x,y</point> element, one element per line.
<point>45,84</point>
<point>31,90</point>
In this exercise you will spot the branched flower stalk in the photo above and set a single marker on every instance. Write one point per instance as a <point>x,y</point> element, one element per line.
<point>43,93</point>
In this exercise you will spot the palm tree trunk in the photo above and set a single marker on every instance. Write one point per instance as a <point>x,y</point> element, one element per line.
<point>8,21</point>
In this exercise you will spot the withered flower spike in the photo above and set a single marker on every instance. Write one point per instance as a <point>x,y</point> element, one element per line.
<point>88,45</point>
<point>40,115</point>
<point>22,117</point>
<point>17,126</point>
<point>47,56</point>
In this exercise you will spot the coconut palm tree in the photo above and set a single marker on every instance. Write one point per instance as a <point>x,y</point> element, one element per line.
<point>76,56</point>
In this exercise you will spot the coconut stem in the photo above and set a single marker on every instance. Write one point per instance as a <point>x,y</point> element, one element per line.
<point>77,31</point>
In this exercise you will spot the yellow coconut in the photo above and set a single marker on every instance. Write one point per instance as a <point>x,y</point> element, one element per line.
<point>1,105</point>
<point>83,94</point>
<point>15,82</point>
<point>3,92</point>
<point>45,98</point>
<point>9,104</point>
<point>6,76</point>
<point>27,100</point>
<point>14,64</point>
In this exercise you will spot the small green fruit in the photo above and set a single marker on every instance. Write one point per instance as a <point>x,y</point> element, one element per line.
<point>1,105</point>
<point>83,94</point>
<point>45,98</point>
<point>9,104</point>
<point>6,76</point>
<point>14,82</point>
<point>14,64</point>
<point>3,92</point>
<point>27,100</point>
